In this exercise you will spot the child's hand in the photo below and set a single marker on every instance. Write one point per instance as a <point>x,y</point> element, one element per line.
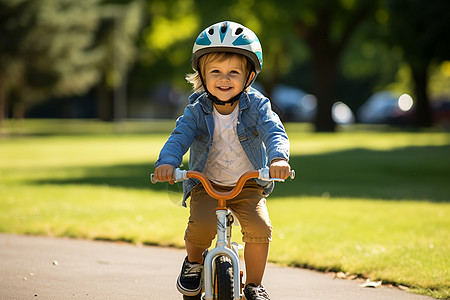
<point>279,168</point>
<point>164,173</point>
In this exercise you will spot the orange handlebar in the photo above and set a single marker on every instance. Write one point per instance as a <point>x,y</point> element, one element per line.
<point>222,197</point>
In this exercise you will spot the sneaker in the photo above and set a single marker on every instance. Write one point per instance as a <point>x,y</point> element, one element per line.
<point>253,292</point>
<point>189,280</point>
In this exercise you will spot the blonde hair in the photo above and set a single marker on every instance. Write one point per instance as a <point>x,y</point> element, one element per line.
<point>196,81</point>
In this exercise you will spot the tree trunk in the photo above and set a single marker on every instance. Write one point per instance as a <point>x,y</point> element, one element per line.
<point>422,115</point>
<point>104,103</point>
<point>271,81</point>
<point>18,110</point>
<point>325,56</point>
<point>324,87</point>
<point>326,52</point>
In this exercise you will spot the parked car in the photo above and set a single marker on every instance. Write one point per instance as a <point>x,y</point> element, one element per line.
<point>386,107</point>
<point>295,105</point>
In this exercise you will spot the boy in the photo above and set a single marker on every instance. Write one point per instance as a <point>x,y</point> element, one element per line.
<point>229,129</point>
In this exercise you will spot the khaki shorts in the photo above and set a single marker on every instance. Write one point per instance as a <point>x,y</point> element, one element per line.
<point>249,207</point>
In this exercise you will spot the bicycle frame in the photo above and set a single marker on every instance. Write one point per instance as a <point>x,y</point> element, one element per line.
<point>222,248</point>
<point>223,244</point>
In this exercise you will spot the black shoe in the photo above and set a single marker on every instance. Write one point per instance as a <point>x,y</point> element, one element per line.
<point>189,281</point>
<point>253,292</point>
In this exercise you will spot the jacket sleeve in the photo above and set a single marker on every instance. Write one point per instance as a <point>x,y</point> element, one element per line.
<point>180,139</point>
<point>274,135</point>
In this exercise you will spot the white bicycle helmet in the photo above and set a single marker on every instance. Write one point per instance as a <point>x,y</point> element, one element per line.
<point>228,36</point>
<point>232,37</point>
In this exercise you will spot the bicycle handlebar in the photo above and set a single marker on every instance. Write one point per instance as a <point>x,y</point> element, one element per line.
<point>263,174</point>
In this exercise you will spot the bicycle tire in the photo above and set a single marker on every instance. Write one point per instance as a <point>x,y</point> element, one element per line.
<point>197,297</point>
<point>223,279</point>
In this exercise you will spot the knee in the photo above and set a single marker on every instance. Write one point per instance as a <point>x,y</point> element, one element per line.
<point>260,232</point>
<point>201,232</point>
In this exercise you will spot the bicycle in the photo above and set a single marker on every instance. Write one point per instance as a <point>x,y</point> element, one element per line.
<point>221,264</point>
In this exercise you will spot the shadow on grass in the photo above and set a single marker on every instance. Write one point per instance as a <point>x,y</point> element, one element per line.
<point>136,176</point>
<point>419,173</point>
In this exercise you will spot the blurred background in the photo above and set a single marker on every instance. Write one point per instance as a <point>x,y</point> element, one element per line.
<point>328,62</point>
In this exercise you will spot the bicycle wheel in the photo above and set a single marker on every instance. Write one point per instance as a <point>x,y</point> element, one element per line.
<point>223,279</point>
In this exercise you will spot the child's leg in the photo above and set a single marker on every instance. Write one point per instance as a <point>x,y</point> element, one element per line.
<point>251,210</point>
<point>194,252</point>
<point>255,255</point>
<point>202,224</point>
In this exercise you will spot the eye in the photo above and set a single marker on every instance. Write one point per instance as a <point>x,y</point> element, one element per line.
<point>235,72</point>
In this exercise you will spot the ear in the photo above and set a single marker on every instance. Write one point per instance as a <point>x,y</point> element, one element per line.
<point>249,79</point>
<point>252,75</point>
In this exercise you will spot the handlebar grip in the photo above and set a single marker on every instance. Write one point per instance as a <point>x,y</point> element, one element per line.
<point>264,174</point>
<point>178,175</point>
<point>152,179</point>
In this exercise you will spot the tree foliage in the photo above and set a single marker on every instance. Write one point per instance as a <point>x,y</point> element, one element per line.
<point>120,23</point>
<point>286,30</point>
<point>54,48</point>
<point>419,28</point>
<point>57,48</point>
<point>327,27</point>
<point>45,48</point>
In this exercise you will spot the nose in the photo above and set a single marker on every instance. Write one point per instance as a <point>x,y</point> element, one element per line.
<point>224,77</point>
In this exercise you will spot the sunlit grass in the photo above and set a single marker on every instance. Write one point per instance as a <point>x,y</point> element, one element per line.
<point>404,242</point>
<point>95,212</point>
<point>364,202</point>
<point>84,127</point>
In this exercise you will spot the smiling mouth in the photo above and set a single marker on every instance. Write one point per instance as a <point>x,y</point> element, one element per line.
<point>224,88</point>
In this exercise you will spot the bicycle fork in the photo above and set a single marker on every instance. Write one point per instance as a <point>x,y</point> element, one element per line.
<point>221,249</point>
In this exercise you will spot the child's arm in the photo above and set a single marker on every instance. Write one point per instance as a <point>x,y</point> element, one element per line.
<point>179,140</point>
<point>275,139</point>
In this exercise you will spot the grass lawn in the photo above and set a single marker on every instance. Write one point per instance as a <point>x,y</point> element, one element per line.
<point>370,203</point>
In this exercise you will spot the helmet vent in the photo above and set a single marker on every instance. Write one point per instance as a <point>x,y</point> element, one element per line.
<point>224,27</point>
<point>239,31</point>
<point>211,31</point>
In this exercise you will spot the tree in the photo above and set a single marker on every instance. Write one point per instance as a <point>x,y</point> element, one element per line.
<point>11,34</point>
<point>420,28</point>
<point>54,48</point>
<point>45,49</point>
<point>167,40</point>
<point>284,27</point>
<point>326,27</point>
<point>119,26</point>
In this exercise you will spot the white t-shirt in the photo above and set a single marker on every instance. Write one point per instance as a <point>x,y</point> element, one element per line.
<point>227,160</point>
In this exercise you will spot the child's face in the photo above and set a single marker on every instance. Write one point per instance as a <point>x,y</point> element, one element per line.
<point>226,78</point>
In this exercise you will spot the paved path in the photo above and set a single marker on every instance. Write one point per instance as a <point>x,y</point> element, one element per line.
<point>49,268</point>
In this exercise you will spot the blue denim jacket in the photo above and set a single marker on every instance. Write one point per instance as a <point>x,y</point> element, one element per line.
<point>259,130</point>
